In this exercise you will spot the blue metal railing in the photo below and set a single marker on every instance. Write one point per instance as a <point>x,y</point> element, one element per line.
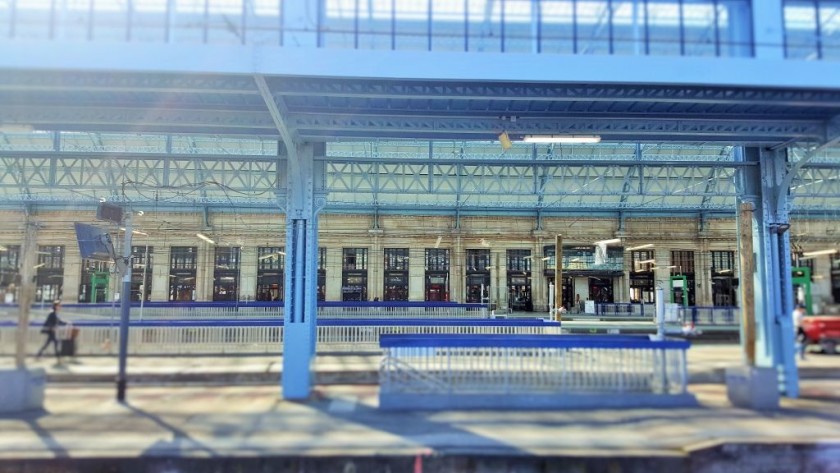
<point>278,322</point>
<point>625,309</point>
<point>700,316</point>
<point>530,341</point>
<point>245,310</point>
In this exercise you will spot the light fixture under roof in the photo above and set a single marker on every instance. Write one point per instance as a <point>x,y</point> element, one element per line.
<point>649,245</point>
<point>271,255</point>
<point>205,238</point>
<point>16,128</point>
<point>135,232</point>
<point>608,242</point>
<point>561,139</point>
<point>820,252</point>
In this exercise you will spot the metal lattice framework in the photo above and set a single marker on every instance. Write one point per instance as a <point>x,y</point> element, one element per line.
<point>366,184</point>
<point>183,135</point>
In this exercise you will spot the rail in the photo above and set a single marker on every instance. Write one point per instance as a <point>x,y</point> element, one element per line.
<point>258,336</point>
<point>717,318</point>
<point>710,316</point>
<point>527,371</point>
<point>250,310</point>
<point>625,309</point>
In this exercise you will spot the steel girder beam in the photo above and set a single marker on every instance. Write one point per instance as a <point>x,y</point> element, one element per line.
<point>250,181</point>
<point>126,82</point>
<point>172,100</point>
<point>344,88</point>
<point>277,109</point>
<point>137,119</point>
<point>521,177</point>
<point>269,206</point>
<point>318,127</point>
<point>159,179</point>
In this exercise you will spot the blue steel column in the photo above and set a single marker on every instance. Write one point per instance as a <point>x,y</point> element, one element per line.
<point>763,186</point>
<point>304,199</point>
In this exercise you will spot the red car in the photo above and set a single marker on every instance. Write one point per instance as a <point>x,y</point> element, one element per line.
<point>822,330</point>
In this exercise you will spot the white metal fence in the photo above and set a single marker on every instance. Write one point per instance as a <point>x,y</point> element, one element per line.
<point>543,371</point>
<point>250,339</point>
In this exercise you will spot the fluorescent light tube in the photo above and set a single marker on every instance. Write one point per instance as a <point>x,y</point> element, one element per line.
<point>818,253</point>
<point>16,128</point>
<point>561,139</point>
<point>205,238</point>
<point>649,245</point>
<point>608,242</point>
<point>135,232</point>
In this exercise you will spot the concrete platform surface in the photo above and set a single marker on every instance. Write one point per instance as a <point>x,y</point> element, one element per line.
<point>175,424</point>
<point>706,364</point>
<point>180,427</point>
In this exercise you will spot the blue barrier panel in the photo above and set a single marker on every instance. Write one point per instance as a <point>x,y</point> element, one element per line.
<point>717,315</point>
<point>530,341</point>
<point>234,304</point>
<point>278,322</point>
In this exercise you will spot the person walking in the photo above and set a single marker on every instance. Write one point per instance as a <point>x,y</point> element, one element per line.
<point>49,328</point>
<point>801,339</point>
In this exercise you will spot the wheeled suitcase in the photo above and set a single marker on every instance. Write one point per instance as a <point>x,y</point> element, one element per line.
<point>67,347</point>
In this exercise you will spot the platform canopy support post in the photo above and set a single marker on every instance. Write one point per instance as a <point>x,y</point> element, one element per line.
<point>304,199</point>
<point>764,186</point>
<point>558,277</point>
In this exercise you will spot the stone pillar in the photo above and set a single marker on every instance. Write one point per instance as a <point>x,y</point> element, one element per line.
<point>248,273</point>
<point>160,274</point>
<point>457,277</point>
<point>703,273</point>
<point>416,274</point>
<point>72,276</point>
<point>376,265</point>
<point>334,265</point>
<point>205,264</point>
<point>498,279</point>
<point>539,289</point>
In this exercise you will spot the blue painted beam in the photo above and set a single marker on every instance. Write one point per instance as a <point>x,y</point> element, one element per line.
<point>771,245</point>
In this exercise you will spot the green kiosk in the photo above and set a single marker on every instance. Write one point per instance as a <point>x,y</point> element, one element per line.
<point>99,286</point>
<point>801,279</point>
<point>679,290</point>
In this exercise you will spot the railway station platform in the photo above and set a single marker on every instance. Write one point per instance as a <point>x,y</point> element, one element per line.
<point>199,414</point>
